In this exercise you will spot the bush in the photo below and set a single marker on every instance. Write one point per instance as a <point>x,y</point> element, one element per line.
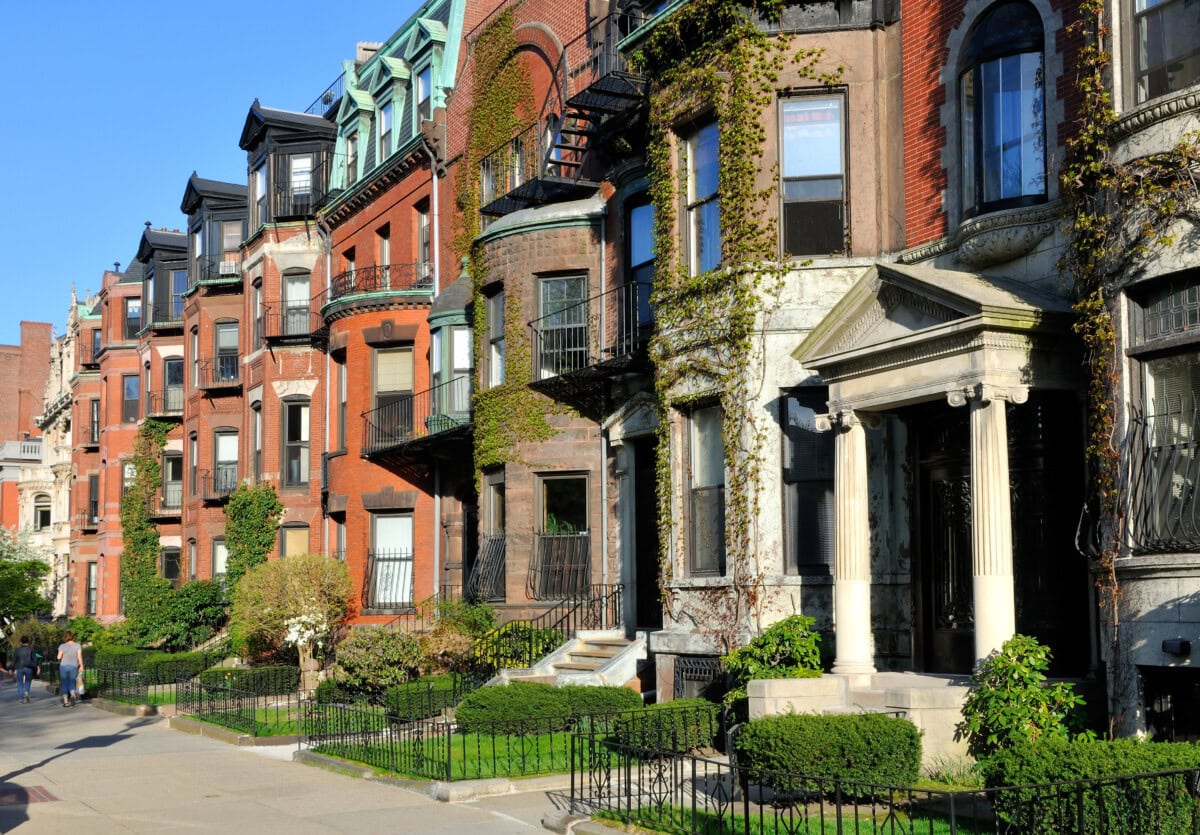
<point>1010,701</point>
<point>261,681</point>
<point>865,748</point>
<point>515,645</point>
<point>45,637</point>
<point>1147,805</point>
<point>330,692</point>
<point>169,667</point>
<point>444,647</point>
<point>85,628</point>
<point>520,707</point>
<point>427,696</point>
<point>788,649</point>
<point>678,726</point>
<point>190,615</point>
<point>372,659</point>
<point>476,619</point>
<point>597,701</point>
<point>301,602</point>
<point>121,659</point>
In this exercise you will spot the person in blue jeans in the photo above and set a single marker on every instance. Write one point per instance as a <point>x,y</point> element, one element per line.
<point>24,664</point>
<point>70,661</point>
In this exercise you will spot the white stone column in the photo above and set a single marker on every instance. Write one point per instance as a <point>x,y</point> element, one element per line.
<point>851,548</point>
<point>991,515</point>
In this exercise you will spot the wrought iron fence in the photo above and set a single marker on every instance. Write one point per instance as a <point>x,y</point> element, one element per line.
<point>168,401</point>
<point>436,749</point>
<point>667,791</point>
<point>238,709</point>
<point>592,57</point>
<point>218,483</point>
<point>290,320</point>
<point>487,577</point>
<point>561,565</point>
<point>172,495</point>
<point>216,268</point>
<point>439,409</point>
<point>389,580</point>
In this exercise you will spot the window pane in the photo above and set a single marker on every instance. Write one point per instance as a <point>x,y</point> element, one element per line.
<point>707,449</point>
<point>231,235</point>
<point>295,541</point>
<point>227,446</point>
<point>227,337</point>
<point>301,174</point>
<point>707,222</point>
<point>220,557</point>
<point>297,420</point>
<point>393,532</point>
<point>808,484</point>
<point>461,348</point>
<point>967,108</point>
<point>562,300</point>
<point>1013,127</point>
<point>564,503</point>
<point>641,233</point>
<point>704,162</point>
<point>812,137</point>
<point>393,370</point>
<point>435,353</point>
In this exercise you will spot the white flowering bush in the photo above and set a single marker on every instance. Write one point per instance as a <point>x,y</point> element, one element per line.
<point>295,602</point>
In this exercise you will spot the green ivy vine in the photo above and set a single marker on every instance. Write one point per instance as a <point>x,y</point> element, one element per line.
<point>503,103</point>
<point>251,522</point>
<point>1117,214</point>
<point>712,57</point>
<point>142,587</point>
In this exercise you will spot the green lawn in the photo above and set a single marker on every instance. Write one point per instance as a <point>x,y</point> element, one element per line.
<point>785,821</point>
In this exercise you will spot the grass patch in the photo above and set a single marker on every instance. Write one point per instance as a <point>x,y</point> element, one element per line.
<point>791,820</point>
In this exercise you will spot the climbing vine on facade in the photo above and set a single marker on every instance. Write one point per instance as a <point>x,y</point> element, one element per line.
<point>712,59</point>
<point>507,413</point>
<point>251,522</point>
<point>142,587</point>
<point>1118,213</point>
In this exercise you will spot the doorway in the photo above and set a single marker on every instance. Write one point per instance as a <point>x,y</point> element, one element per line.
<point>647,570</point>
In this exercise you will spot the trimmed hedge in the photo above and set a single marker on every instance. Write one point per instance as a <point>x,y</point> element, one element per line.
<point>427,696</point>
<point>678,726</point>
<point>595,701</point>
<point>519,707</point>
<point>261,681</point>
<point>865,748</point>
<point>1146,804</point>
<point>121,659</point>
<point>169,667</point>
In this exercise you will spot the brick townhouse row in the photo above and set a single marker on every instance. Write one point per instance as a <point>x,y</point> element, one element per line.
<point>323,326</point>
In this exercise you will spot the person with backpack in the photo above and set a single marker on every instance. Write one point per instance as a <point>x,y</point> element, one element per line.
<point>25,665</point>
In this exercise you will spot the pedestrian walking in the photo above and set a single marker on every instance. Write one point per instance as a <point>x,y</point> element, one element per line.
<point>25,664</point>
<point>70,668</point>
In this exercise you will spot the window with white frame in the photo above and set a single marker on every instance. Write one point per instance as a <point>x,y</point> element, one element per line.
<point>41,512</point>
<point>300,183</point>
<point>133,318</point>
<point>705,469</point>
<point>231,242</point>
<point>179,286</point>
<point>295,442</point>
<point>391,561</point>
<point>351,159</point>
<point>424,93</point>
<point>191,558</point>
<point>703,212</point>
<point>495,324</point>
<point>259,184</point>
<point>1002,110</point>
<point>813,175</point>
<point>93,588</point>
<point>342,389</point>
<point>256,439</point>
<point>424,245</point>
<point>130,403</point>
<point>1166,46</point>
<point>220,557</point>
<point>385,130</point>
<point>295,314</point>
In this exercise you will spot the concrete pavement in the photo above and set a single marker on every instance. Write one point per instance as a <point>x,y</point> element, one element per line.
<point>84,770</point>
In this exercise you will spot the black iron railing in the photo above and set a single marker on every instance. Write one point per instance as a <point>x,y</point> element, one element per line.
<point>592,58</point>
<point>607,328</point>
<point>164,314</point>
<point>1163,459</point>
<point>389,581</point>
<point>86,521</point>
<point>217,484</point>
<point>172,495</point>
<point>519,643</point>
<point>165,402</point>
<point>560,565</point>
<point>529,156</point>
<point>440,409</point>
<point>328,98</point>
<point>290,321</point>
<point>216,268</point>
<point>426,613</point>
<point>657,788</point>
<point>379,278</point>
<point>487,578</point>
<point>224,371</point>
<point>89,434</point>
<point>87,352</point>
<point>246,711</point>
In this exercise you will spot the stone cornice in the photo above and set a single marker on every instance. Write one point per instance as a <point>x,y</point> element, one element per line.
<point>1158,110</point>
<point>373,302</point>
<point>984,224</point>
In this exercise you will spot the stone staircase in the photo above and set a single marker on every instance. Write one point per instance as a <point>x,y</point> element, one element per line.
<point>593,656</point>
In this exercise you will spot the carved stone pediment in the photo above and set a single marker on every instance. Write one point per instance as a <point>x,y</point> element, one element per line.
<point>894,312</point>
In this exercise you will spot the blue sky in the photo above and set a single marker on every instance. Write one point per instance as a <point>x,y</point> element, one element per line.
<point>112,105</point>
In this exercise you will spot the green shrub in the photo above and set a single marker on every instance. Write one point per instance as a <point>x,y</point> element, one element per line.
<point>330,692</point>
<point>587,700</point>
<point>427,696</point>
<point>515,645</point>
<point>122,659</point>
<point>372,659</point>
<point>788,649</point>
<point>1147,805</point>
<point>169,667</point>
<point>190,615</point>
<point>476,619</point>
<point>865,747</point>
<point>262,681</point>
<point>45,637</point>
<point>1011,701</point>
<point>518,707</point>
<point>678,726</point>
<point>85,628</point>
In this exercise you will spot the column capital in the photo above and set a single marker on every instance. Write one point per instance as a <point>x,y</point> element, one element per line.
<point>987,393</point>
<point>846,419</point>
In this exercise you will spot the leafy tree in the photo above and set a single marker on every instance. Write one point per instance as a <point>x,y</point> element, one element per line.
<point>22,568</point>
<point>85,628</point>
<point>1011,701</point>
<point>302,599</point>
<point>251,520</point>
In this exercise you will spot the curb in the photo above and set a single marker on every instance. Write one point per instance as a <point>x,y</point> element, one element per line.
<point>124,709</point>
<point>193,726</point>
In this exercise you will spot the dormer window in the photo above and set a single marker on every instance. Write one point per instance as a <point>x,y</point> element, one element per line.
<point>351,159</point>
<point>300,182</point>
<point>1002,110</point>
<point>424,103</point>
<point>260,194</point>
<point>385,130</point>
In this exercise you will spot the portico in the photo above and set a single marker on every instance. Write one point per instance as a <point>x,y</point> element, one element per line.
<point>902,340</point>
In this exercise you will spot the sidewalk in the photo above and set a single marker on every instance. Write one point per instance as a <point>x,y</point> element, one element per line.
<point>82,770</point>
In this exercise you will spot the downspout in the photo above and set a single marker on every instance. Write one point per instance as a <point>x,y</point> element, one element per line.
<point>437,285</point>
<point>325,235</point>
<point>603,431</point>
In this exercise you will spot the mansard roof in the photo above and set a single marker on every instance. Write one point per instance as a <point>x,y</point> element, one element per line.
<point>199,188</point>
<point>296,125</point>
<point>155,240</point>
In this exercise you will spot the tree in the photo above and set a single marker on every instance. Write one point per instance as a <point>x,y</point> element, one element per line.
<point>251,520</point>
<point>297,601</point>
<point>22,567</point>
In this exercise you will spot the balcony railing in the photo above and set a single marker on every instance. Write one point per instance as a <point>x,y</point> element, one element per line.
<point>301,196</point>
<point>89,434</point>
<point>221,372</point>
<point>165,403</point>
<point>217,484</point>
<point>171,499</point>
<point>379,279</point>
<point>216,269</point>
<point>606,330</point>
<point>444,407</point>
<point>598,74</point>
<point>1164,478</point>
<point>560,565</point>
<point>530,168</point>
<point>165,314</point>
<point>389,580</point>
<point>86,521</point>
<point>87,353</point>
<point>330,97</point>
<point>290,321</point>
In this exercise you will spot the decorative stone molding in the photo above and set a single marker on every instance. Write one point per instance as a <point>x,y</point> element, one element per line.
<point>992,238</point>
<point>389,331</point>
<point>1159,110</point>
<point>389,498</point>
<point>987,393</point>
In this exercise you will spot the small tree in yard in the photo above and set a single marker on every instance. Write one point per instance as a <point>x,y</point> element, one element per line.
<point>297,601</point>
<point>22,568</point>
<point>1011,701</point>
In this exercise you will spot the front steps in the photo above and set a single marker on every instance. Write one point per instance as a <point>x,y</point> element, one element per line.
<point>602,657</point>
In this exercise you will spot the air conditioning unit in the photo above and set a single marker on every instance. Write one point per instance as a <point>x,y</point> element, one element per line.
<point>229,268</point>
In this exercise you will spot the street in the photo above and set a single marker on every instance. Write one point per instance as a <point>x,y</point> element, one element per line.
<point>82,769</point>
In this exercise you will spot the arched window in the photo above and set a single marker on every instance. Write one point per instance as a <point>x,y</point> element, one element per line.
<point>41,512</point>
<point>1002,106</point>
